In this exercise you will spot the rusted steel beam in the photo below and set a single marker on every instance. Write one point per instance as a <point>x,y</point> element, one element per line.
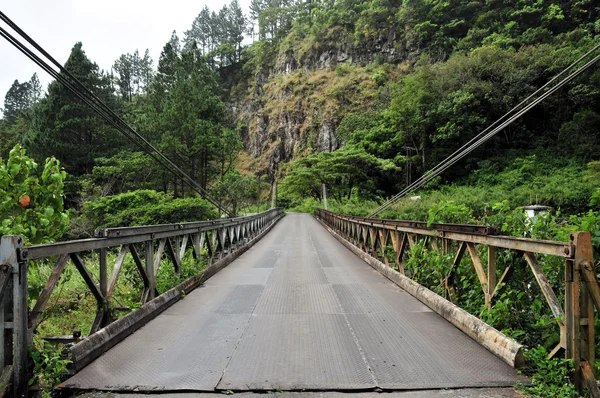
<point>477,264</point>
<point>468,228</point>
<point>462,247</point>
<point>572,318</point>
<point>87,277</point>
<point>545,287</point>
<point>580,328</point>
<point>558,249</point>
<point>127,236</point>
<point>159,253</point>
<point>4,279</point>
<point>590,381</point>
<point>501,280</point>
<point>139,266</point>
<point>174,255</point>
<point>183,246</point>
<point>204,225</point>
<point>116,270</point>
<point>149,267</point>
<point>491,274</point>
<point>42,300</point>
<point>553,248</point>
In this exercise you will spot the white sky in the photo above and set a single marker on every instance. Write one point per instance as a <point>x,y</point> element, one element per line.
<point>107,29</point>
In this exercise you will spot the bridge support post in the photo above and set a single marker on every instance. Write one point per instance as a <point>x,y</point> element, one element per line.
<point>10,257</point>
<point>581,287</point>
<point>149,259</point>
<point>274,195</point>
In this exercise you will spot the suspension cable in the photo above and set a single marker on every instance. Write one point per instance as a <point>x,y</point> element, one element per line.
<point>495,127</point>
<point>98,106</point>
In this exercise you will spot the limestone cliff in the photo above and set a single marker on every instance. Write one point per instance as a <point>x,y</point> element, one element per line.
<point>293,106</point>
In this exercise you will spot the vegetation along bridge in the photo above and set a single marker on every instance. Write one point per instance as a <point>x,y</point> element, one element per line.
<point>296,308</point>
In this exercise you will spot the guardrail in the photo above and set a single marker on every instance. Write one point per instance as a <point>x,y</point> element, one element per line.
<point>210,241</point>
<point>376,238</point>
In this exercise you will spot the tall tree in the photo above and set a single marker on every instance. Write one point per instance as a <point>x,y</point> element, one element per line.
<point>17,100</point>
<point>236,26</point>
<point>193,115</point>
<point>35,89</point>
<point>200,32</point>
<point>146,70</point>
<point>64,127</point>
<point>123,67</point>
<point>134,73</point>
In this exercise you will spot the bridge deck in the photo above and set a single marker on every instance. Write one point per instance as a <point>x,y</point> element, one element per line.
<point>297,311</point>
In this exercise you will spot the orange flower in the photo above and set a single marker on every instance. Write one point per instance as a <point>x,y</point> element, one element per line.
<point>24,200</point>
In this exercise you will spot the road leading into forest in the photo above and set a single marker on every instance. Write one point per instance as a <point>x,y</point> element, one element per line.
<point>298,311</point>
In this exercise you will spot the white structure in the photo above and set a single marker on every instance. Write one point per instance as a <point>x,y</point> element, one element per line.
<point>535,210</point>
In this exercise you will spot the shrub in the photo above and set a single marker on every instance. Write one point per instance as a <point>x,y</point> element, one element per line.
<point>144,207</point>
<point>32,206</point>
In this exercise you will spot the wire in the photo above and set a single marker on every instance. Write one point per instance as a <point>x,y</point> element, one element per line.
<point>100,107</point>
<point>486,134</point>
<point>457,152</point>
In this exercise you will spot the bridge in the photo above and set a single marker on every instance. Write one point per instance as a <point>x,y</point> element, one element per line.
<point>292,303</point>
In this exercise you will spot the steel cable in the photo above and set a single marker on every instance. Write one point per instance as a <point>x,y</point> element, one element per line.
<point>486,134</point>
<point>101,108</point>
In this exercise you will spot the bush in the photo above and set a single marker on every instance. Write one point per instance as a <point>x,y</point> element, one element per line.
<point>144,207</point>
<point>31,206</point>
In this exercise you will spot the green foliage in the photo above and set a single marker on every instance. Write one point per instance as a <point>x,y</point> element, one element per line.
<point>32,206</point>
<point>342,171</point>
<point>428,267</point>
<point>145,207</point>
<point>240,191</point>
<point>166,278</point>
<point>64,127</point>
<point>550,377</point>
<point>307,205</point>
<point>123,172</point>
<point>50,366</point>
<point>450,212</point>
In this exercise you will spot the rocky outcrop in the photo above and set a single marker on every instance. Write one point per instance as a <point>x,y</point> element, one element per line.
<point>283,124</point>
<point>338,47</point>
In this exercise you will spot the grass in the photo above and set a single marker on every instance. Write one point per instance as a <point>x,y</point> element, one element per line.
<point>72,306</point>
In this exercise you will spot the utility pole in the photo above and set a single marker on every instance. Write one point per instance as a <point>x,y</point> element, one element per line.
<point>274,195</point>
<point>408,163</point>
<point>324,196</point>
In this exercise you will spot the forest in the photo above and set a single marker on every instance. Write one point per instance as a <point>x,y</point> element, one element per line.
<point>363,96</point>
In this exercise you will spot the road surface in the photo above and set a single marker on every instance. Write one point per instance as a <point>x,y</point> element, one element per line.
<point>298,311</point>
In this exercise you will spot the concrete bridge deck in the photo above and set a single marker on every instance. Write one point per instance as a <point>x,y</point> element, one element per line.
<point>298,311</point>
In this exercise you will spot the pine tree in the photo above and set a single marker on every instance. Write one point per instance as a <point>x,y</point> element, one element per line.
<point>200,32</point>
<point>123,66</point>
<point>64,127</point>
<point>237,26</point>
<point>35,89</point>
<point>191,121</point>
<point>17,100</point>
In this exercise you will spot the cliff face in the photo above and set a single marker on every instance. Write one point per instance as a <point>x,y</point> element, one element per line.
<point>293,108</point>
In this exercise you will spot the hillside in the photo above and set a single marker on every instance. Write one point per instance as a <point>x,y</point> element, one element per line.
<point>428,75</point>
<point>360,96</point>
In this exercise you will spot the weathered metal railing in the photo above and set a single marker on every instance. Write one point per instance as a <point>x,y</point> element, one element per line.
<point>377,237</point>
<point>209,241</point>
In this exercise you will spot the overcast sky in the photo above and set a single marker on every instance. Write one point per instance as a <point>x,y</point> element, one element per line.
<point>107,29</point>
